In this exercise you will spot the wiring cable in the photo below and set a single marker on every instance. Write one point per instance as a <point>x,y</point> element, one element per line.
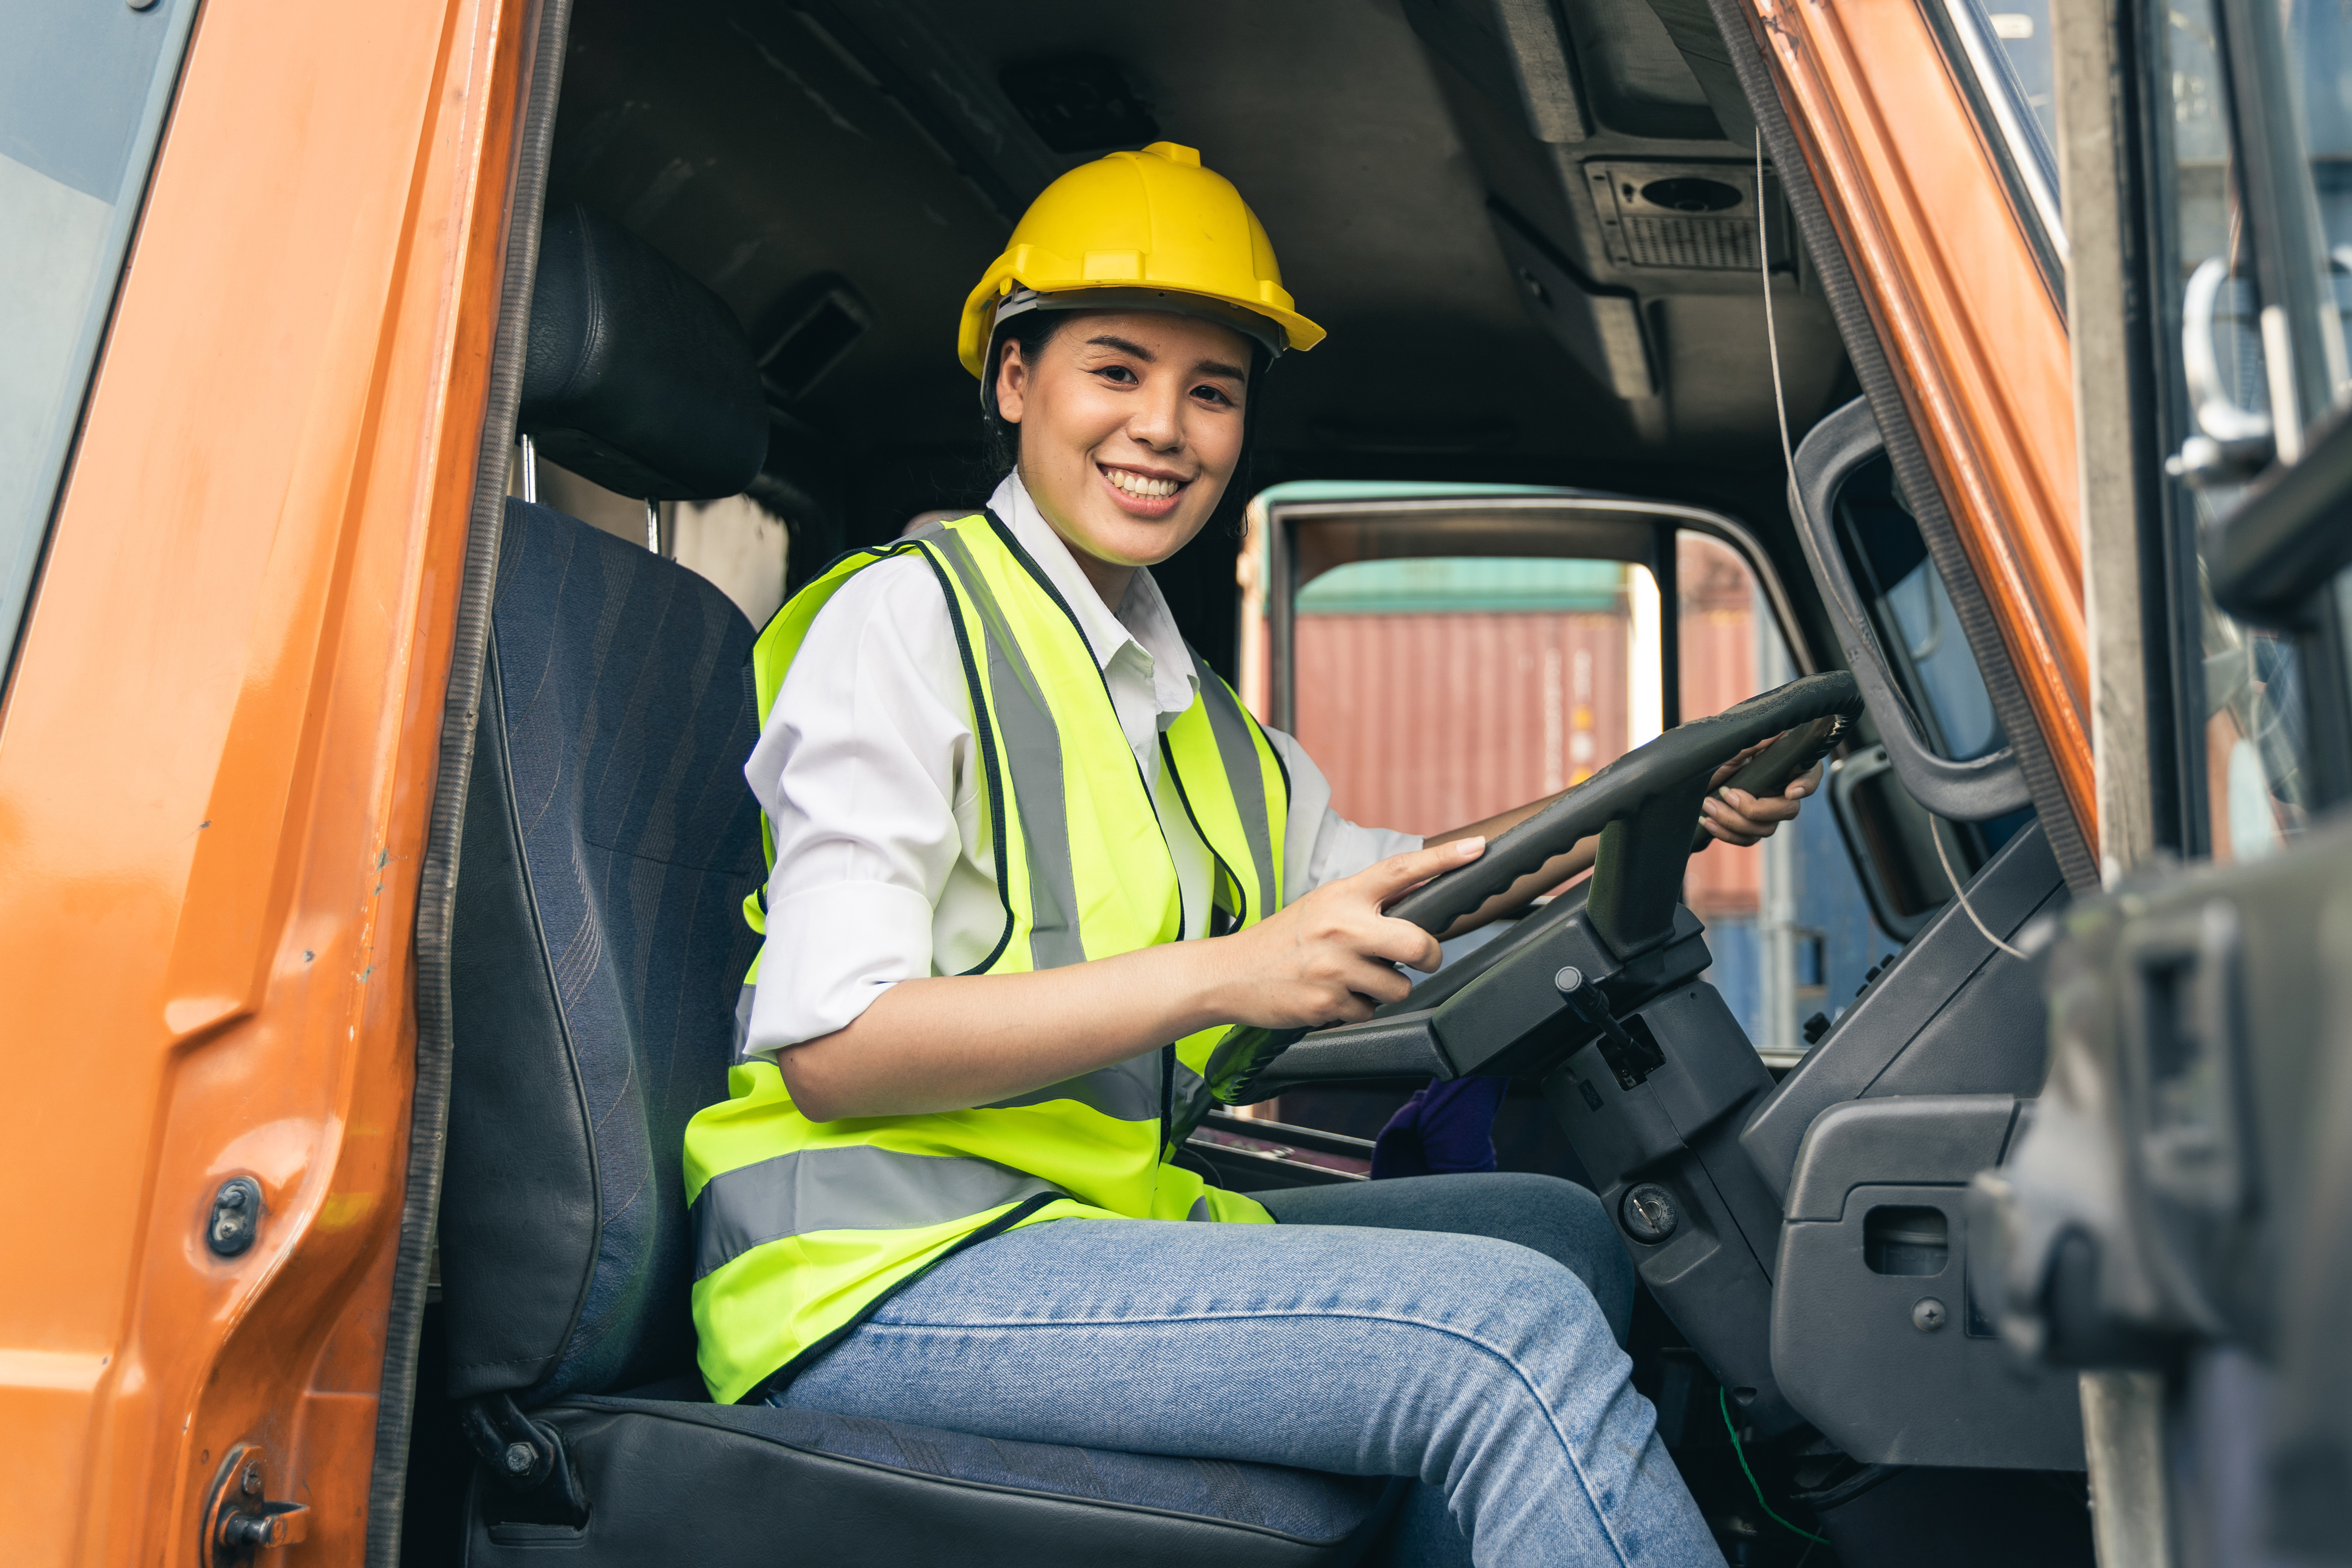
<point>1723,1399</point>
<point>1771,332</point>
<point>1797,501</point>
<point>1965,907</point>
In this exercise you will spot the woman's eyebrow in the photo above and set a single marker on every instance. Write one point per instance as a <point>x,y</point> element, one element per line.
<point>1204,368</point>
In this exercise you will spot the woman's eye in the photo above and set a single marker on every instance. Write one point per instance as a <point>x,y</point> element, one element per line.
<point>1119,373</point>
<point>1213,394</point>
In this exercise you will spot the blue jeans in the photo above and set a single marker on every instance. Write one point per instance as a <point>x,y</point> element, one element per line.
<point>1373,1332</point>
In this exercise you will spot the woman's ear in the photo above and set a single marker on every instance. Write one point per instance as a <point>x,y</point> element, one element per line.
<point>1011,382</point>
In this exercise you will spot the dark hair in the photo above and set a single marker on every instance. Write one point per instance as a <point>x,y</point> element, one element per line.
<point>1001,439</point>
<point>1033,331</point>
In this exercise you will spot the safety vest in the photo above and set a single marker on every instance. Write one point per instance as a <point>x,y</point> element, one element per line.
<point>802,1228</point>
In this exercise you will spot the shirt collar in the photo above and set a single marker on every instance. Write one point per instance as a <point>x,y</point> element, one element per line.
<point>1143,622</point>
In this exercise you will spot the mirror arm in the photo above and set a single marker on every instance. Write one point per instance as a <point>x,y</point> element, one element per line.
<point>2287,541</point>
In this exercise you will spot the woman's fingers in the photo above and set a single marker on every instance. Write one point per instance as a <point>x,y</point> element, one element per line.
<point>1737,816</point>
<point>1754,808</point>
<point>1332,956</point>
<point>1378,982</point>
<point>1385,881</point>
<point>1402,942</point>
<point>1737,824</point>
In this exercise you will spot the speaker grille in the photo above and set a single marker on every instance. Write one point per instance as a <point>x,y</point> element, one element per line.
<point>1700,243</point>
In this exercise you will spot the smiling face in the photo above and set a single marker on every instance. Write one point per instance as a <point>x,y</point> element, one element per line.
<point>1130,426</point>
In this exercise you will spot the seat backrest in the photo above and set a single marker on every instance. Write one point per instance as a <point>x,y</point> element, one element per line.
<point>599,944</point>
<point>598,947</point>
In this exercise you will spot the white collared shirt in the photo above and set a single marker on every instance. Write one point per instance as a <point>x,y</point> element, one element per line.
<point>870,776</point>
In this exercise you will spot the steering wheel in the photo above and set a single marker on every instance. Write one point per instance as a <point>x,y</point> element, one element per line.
<point>1644,806</point>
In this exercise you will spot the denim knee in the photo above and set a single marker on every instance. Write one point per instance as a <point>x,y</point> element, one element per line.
<point>1566,1223</point>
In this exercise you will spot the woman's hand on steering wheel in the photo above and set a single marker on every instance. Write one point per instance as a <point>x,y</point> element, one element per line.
<point>1735,817</point>
<point>1331,957</point>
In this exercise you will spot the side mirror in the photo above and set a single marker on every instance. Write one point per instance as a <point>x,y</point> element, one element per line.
<point>1974,791</point>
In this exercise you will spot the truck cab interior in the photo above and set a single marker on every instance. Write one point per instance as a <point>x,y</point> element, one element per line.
<point>1578,310</point>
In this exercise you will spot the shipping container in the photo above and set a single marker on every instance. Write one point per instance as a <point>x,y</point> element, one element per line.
<point>1425,721</point>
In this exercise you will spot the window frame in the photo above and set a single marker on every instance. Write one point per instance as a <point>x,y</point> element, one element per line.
<point>53,463</point>
<point>1576,524</point>
<point>2240,551</point>
<point>2027,163</point>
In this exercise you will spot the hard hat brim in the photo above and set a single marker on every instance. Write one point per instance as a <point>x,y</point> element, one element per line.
<point>1261,330</point>
<point>1277,329</point>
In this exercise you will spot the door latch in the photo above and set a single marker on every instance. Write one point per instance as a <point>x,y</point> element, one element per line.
<point>240,1521</point>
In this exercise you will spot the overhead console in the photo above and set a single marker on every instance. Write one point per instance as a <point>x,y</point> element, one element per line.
<point>1618,155</point>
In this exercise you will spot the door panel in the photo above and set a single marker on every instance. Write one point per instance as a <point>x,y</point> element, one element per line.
<point>1973,332</point>
<point>218,751</point>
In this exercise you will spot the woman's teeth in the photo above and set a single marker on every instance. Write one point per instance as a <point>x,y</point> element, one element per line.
<point>1138,485</point>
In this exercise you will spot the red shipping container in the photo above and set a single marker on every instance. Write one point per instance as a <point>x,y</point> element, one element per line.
<point>1717,616</point>
<point>1424,722</point>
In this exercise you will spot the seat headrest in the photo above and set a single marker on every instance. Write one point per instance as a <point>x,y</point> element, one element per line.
<point>638,377</point>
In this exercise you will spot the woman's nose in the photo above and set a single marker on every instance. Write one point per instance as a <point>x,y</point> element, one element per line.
<point>1158,421</point>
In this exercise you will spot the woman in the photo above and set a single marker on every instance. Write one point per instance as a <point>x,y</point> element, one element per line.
<point>1023,841</point>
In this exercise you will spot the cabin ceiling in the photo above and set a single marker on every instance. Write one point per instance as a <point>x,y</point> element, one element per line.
<point>776,149</point>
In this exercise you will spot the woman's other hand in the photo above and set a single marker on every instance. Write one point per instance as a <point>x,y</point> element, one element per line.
<point>1737,816</point>
<point>1332,956</point>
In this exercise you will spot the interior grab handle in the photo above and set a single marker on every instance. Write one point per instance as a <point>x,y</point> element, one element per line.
<point>2232,443</point>
<point>1975,790</point>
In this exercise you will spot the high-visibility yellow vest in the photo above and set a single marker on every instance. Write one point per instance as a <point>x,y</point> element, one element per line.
<point>802,1228</point>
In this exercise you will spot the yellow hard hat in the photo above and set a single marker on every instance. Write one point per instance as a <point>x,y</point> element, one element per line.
<point>1138,231</point>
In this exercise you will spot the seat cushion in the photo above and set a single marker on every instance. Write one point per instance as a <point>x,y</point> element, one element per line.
<point>722,1485</point>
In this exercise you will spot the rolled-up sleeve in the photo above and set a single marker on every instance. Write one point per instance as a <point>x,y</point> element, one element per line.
<point>1319,845</point>
<point>860,767</point>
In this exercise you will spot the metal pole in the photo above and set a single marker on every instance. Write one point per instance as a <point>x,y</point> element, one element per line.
<point>1776,913</point>
<point>2123,1412</point>
<point>529,470</point>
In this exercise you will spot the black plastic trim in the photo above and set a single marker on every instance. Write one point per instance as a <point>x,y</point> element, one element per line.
<point>437,895</point>
<point>2287,541</point>
<point>1975,790</point>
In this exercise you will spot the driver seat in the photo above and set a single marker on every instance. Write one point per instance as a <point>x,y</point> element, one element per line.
<point>608,843</point>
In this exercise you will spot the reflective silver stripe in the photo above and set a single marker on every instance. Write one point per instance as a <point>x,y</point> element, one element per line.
<point>855,1188</point>
<point>1033,754</point>
<point>1128,1090</point>
<point>743,1020</point>
<point>1238,751</point>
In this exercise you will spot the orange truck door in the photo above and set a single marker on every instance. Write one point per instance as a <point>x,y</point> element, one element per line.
<point>252,254</point>
<point>1934,213</point>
